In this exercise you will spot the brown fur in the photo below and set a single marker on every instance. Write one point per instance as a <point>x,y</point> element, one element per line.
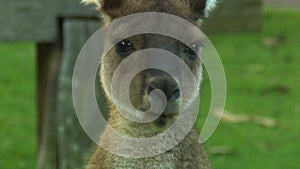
<point>188,153</point>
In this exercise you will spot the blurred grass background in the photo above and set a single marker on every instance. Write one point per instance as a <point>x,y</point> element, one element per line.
<point>17,106</point>
<point>262,70</point>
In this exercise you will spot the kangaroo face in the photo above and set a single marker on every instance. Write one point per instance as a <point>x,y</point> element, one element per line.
<point>152,79</point>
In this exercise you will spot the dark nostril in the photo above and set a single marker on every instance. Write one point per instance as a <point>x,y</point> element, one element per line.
<point>174,95</point>
<point>171,93</point>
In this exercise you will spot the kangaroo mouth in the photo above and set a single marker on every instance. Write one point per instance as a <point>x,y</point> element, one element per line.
<point>168,116</point>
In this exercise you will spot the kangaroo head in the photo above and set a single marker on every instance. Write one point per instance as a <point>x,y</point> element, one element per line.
<point>148,80</point>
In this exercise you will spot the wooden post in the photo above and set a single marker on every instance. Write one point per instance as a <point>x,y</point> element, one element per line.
<point>48,56</point>
<point>63,144</point>
<point>73,144</point>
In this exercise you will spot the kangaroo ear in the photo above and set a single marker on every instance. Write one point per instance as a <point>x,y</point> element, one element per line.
<point>203,7</point>
<point>104,5</point>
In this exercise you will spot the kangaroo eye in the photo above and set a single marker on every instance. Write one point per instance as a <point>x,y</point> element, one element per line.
<point>124,48</point>
<point>190,50</point>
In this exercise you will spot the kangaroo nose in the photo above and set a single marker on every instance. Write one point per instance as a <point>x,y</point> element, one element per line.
<point>172,92</point>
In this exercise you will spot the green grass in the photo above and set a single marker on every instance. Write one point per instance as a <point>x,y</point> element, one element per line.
<point>17,106</point>
<point>261,81</point>
<point>255,76</point>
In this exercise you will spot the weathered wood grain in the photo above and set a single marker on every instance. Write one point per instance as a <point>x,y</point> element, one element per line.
<point>73,144</point>
<point>49,56</point>
<point>38,20</point>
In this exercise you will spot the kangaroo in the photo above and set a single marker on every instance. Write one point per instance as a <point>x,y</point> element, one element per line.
<point>189,153</point>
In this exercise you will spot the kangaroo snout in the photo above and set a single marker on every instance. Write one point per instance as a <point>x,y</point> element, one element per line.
<point>166,85</point>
